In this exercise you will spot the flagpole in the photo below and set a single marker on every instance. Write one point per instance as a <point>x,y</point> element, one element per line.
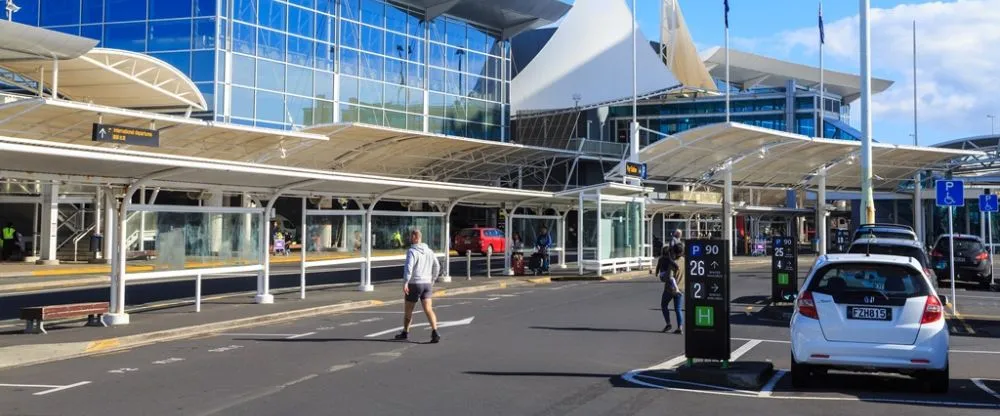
<point>727,62</point>
<point>634,127</point>
<point>821,125</point>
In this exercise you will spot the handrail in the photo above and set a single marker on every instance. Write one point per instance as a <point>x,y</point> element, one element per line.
<point>76,241</point>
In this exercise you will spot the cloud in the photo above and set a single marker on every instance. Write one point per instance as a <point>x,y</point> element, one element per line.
<point>956,61</point>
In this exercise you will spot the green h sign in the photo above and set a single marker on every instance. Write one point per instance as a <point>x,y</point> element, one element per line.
<point>782,278</point>
<point>704,316</point>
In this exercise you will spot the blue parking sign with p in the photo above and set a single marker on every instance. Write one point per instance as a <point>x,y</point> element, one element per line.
<point>988,203</point>
<point>950,193</point>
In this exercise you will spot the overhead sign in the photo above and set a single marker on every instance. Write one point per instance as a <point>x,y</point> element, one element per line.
<point>784,269</point>
<point>125,135</point>
<point>950,193</point>
<point>706,300</point>
<point>635,170</point>
<point>988,203</point>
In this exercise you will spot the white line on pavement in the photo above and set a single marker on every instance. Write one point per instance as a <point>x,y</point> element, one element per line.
<point>769,387</point>
<point>669,364</point>
<point>242,334</point>
<point>778,341</point>
<point>982,386</point>
<point>339,367</point>
<point>493,299</point>
<point>61,388</point>
<point>34,386</point>
<point>371,319</point>
<point>348,324</point>
<point>301,335</point>
<point>745,348</point>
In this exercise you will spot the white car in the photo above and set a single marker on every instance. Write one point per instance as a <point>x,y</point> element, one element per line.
<point>869,313</point>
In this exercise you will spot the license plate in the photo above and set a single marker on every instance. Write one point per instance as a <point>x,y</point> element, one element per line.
<point>869,313</point>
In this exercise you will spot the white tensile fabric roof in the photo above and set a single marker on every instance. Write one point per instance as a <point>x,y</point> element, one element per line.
<point>22,41</point>
<point>588,61</point>
<point>765,157</point>
<point>116,78</point>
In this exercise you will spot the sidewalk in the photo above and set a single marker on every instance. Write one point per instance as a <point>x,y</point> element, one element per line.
<point>221,314</point>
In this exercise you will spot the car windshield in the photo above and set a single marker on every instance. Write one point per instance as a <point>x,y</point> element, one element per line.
<point>962,245</point>
<point>850,280</point>
<point>472,232</point>
<point>891,250</point>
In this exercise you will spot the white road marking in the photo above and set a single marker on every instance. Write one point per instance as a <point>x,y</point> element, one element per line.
<point>442,306</point>
<point>123,370</point>
<point>769,387</point>
<point>30,386</point>
<point>974,352</point>
<point>371,319</point>
<point>301,335</point>
<point>982,386</point>
<point>326,328</point>
<point>669,364</point>
<point>463,303</point>
<point>168,361</point>
<point>61,388</point>
<point>445,324</point>
<point>339,367</point>
<point>258,335</point>
<point>493,299</point>
<point>294,382</point>
<point>348,324</point>
<point>745,348</point>
<point>226,348</point>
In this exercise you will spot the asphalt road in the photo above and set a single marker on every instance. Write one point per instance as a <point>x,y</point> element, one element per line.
<point>554,349</point>
<point>148,292</point>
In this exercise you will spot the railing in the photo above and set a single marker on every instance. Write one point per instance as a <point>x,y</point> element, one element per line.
<point>597,147</point>
<point>76,240</point>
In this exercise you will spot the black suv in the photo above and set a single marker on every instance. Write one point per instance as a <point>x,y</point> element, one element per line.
<point>972,260</point>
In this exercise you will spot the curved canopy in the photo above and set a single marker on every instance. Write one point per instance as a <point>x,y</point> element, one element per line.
<point>21,41</point>
<point>588,62</point>
<point>115,78</point>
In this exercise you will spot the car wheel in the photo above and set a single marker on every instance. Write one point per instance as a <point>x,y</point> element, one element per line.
<point>987,283</point>
<point>937,381</point>
<point>800,374</point>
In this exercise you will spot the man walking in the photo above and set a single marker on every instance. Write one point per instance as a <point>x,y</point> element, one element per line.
<point>9,242</point>
<point>419,273</point>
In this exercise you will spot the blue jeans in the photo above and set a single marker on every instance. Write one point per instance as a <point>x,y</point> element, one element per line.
<point>665,299</point>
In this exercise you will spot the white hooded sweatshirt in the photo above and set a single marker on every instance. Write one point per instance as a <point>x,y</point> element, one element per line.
<point>422,265</point>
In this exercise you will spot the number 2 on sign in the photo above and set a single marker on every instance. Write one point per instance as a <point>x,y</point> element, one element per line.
<point>697,290</point>
<point>697,267</point>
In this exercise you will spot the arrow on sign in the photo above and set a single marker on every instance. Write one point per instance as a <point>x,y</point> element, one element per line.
<point>444,324</point>
<point>102,133</point>
<point>715,287</point>
<point>715,265</point>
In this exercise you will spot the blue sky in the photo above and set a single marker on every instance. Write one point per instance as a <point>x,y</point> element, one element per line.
<point>953,99</point>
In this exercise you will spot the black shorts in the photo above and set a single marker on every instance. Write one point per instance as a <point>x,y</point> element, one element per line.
<point>420,291</point>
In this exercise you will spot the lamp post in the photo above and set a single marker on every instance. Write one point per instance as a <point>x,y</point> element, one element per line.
<point>993,123</point>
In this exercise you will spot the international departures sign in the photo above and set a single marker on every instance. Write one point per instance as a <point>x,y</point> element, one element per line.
<point>125,135</point>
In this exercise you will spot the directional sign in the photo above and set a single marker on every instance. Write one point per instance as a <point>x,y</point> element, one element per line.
<point>125,135</point>
<point>950,193</point>
<point>635,170</point>
<point>988,203</point>
<point>706,299</point>
<point>784,269</point>
<point>840,240</point>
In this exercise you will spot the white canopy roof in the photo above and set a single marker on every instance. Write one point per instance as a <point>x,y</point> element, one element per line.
<point>749,70</point>
<point>116,78</point>
<point>765,157</point>
<point>21,41</point>
<point>588,61</point>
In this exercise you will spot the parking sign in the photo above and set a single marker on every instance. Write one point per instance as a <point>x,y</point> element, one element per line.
<point>988,203</point>
<point>950,193</point>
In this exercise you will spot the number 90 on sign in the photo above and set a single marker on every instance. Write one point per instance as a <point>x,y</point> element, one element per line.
<point>710,249</point>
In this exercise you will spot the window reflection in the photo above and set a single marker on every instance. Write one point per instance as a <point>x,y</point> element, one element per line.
<point>270,106</point>
<point>169,35</point>
<point>242,102</point>
<point>244,70</point>
<point>270,75</point>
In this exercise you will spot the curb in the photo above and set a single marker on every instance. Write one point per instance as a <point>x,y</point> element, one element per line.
<point>33,354</point>
<point>59,284</point>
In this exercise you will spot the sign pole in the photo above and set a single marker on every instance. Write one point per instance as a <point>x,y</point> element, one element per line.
<point>951,256</point>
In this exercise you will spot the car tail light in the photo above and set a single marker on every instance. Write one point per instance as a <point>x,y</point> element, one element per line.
<point>806,306</point>
<point>933,311</point>
<point>920,361</point>
<point>982,256</point>
<point>936,253</point>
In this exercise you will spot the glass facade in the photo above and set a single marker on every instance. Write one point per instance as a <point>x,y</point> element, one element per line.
<point>295,63</point>
<point>763,107</point>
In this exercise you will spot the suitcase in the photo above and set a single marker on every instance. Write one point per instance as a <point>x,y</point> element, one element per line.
<point>517,263</point>
<point>536,262</point>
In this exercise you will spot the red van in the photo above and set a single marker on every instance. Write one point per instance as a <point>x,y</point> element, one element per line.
<point>479,240</point>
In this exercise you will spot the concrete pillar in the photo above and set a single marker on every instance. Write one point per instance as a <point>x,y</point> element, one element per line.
<point>264,295</point>
<point>110,222</point>
<point>599,236</point>
<point>50,225</point>
<point>508,233</point>
<point>446,275</point>
<point>215,224</point>
<point>918,212</point>
<point>727,210</point>
<point>821,225</point>
<point>247,239</point>
<point>366,271</point>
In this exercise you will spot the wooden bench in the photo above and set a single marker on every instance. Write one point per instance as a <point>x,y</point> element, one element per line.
<point>37,315</point>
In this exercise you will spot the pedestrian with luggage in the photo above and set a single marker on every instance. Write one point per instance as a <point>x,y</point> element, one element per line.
<point>542,245</point>
<point>669,271</point>
<point>419,273</point>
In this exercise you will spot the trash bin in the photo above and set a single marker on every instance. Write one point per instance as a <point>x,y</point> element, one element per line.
<point>95,243</point>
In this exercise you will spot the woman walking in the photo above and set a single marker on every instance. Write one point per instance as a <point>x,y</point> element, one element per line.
<point>668,269</point>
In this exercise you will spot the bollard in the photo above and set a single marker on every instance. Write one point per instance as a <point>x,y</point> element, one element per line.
<point>489,265</point>
<point>468,265</point>
<point>197,293</point>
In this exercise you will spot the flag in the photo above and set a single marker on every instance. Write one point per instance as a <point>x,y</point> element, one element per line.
<point>726,4</point>
<point>822,36</point>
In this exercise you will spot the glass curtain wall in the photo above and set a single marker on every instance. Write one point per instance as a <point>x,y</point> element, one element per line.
<point>330,237</point>
<point>185,240</point>
<point>391,233</point>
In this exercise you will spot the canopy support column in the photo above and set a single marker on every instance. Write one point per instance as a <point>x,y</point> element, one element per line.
<point>727,209</point>
<point>562,239</point>
<point>600,242</point>
<point>579,234</point>
<point>264,295</point>
<point>50,224</point>
<point>366,271</point>
<point>446,276</point>
<point>508,268</point>
<point>821,225</point>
